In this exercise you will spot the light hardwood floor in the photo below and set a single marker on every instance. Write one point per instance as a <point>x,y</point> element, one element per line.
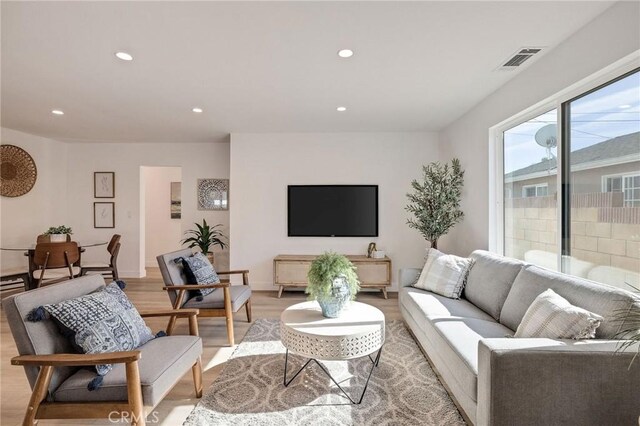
<point>147,293</point>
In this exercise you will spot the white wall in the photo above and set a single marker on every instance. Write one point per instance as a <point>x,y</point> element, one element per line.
<point>125,159</point>
<point>161,231</point>
<point>23,218</point>
<point>262,165</point>
<point>607,39</point>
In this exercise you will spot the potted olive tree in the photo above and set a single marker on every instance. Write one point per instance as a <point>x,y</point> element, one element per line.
<point>58,234</point>
<point>435,202</point>
<point>204,237</point>
<point>332,281</point>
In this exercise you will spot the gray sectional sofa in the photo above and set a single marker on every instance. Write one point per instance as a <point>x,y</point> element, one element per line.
<point>497,380</point>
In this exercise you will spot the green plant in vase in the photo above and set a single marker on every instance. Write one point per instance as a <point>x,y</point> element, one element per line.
<point>332,281</point>
<point>58,233</point>
<point>204,237</point>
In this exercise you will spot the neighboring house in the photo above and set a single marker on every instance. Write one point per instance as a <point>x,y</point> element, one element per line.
<point>609,166</point>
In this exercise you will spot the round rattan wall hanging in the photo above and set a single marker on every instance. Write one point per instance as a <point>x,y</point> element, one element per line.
<point>18,171</point>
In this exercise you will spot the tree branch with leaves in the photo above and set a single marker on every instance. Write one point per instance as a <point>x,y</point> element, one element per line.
<point>435,201</point>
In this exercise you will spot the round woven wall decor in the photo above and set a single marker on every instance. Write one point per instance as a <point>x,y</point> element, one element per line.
<point>18,172</point>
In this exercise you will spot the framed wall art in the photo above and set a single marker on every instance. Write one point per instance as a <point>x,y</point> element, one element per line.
<point>104,184</point>
<point>104,215</point>
<point>213,194</point>
<point>176,200</point>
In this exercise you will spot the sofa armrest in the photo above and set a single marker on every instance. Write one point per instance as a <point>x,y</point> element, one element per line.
<point>408,276</point>
<point>547,381</point>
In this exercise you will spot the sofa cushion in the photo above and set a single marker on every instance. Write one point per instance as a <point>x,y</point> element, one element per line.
<point>490,280</point>
<point>597,298</point>
<point>162,363</point>
<point>424,304</point>
<point>444,274</point>
<point>551,316</point>
<point>215,300</point>
<point>452,337</point>
<point>460,349</point>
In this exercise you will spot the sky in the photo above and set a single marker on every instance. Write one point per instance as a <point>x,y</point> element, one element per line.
<point>611,111</point>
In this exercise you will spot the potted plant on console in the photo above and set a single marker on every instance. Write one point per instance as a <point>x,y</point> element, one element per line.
<point>58,234</point>
<point>332,282</point>
<point>204,237</point>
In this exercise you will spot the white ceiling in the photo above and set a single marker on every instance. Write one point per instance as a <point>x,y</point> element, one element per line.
<point>261,66</point>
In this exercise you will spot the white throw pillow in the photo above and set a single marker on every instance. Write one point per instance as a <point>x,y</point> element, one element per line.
<point>444,274</point>
<point>552,316</point>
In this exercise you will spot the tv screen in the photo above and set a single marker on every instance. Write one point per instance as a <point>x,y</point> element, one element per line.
<point>333,211</point>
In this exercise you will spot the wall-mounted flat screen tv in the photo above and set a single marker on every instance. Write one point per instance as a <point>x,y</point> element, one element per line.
<point>333,210</point>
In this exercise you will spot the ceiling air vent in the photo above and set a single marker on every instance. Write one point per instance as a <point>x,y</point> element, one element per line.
<point>520,57</point>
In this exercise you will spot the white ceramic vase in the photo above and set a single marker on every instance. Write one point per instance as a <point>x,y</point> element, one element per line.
<point>58,238</point>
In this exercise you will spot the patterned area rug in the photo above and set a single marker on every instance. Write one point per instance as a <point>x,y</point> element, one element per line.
<point>403,389</point>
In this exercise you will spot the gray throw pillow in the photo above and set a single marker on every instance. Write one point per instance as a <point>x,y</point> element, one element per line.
<point>552,316</point>
<point>199,270</point>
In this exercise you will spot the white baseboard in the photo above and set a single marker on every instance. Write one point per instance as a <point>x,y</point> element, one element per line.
<point>131,274</point>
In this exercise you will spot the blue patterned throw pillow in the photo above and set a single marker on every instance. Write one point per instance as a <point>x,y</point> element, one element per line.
<point>199,270</point>
<point>100,322</point>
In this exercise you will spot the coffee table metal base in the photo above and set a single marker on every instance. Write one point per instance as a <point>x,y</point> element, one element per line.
<point>374,363</point>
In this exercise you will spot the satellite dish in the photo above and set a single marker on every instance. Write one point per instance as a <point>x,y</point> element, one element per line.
<point>547,137</point>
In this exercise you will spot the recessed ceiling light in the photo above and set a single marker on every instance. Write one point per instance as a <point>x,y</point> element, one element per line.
<point>341,109</point>
<point>196,109</point>
<point>624,106</point>
<point>124,56</point>
<point>57,112</point>
<point>345,53</point>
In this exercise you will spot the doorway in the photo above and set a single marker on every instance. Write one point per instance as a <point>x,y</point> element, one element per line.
<point>161,210</point>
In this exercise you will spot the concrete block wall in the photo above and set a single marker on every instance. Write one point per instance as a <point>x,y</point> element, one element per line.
<point>601,243</point>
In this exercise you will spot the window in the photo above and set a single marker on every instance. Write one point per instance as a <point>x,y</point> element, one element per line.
<point>628,185</point>
<point>530,155</point>
<point>539,190</point>
<point>631,190</point>
<point>579,183</point>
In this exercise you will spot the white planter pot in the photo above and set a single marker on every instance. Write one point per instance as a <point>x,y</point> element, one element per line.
<point>58,238</point>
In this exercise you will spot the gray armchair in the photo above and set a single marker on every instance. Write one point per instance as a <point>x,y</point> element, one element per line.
<point>138,382</point>
<point>223,302</point>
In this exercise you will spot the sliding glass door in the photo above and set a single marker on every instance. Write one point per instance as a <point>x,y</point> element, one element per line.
<point>573,187</point>
<point>603,171</point>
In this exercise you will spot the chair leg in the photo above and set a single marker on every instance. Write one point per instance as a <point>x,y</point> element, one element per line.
<point>39,393</point>
<point>115,274</point>
<point>247,306</point>
<point>228,315</point>
<point>197,377</point>
<point>134,394</point>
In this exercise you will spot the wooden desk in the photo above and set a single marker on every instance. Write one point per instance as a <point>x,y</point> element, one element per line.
<point>290,270</point>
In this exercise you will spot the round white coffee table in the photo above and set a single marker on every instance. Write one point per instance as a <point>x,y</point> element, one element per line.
<point>358,332</point>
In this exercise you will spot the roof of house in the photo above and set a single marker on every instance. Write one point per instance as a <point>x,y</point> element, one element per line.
<point>620,146</point>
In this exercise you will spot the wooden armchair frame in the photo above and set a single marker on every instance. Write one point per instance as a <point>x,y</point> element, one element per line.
<point>39,408</point>
<point>226,312</point>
